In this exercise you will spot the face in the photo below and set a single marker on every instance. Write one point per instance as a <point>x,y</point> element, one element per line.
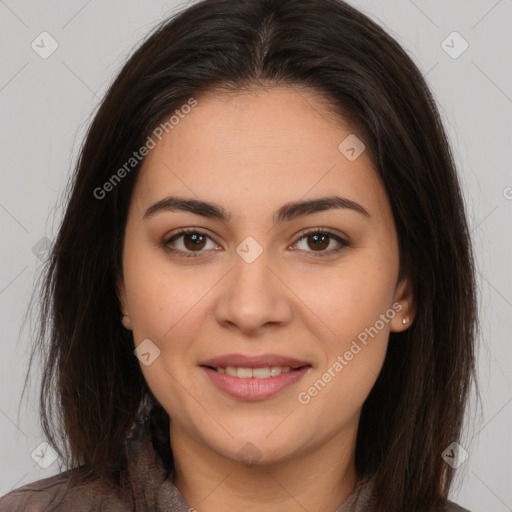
<point>315,288</point>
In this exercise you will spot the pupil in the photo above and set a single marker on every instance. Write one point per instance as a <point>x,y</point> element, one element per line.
<point>319,240</point>
<point>196,240</point>
<point>316,237</point>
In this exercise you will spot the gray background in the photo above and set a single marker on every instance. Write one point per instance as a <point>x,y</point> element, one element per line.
<point>46,105</point>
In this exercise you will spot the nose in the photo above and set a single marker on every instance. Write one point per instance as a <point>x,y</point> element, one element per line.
<point>253,296</point>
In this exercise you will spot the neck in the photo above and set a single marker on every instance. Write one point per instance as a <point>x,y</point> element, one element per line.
<point>317,480</point>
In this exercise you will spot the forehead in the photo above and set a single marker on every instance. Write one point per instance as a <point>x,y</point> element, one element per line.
<point>247,149</point>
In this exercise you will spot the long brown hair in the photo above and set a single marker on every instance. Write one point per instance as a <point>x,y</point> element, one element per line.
<point>92,387</point>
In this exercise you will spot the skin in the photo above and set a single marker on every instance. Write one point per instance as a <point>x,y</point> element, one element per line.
<point>251,152</point>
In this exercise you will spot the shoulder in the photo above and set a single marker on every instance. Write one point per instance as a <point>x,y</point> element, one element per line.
<point>364,499</point>
<point>137,481</point>
<point>36,496</point>
<point>453,507</point>
<point>58,494</point>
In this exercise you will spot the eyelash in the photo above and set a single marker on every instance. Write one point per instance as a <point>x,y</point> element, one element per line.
<point>194,254</point>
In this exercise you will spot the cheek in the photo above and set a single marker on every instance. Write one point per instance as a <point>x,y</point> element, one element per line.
<point>348,299</point>
<point>348,311</point>
<point>161,300</point>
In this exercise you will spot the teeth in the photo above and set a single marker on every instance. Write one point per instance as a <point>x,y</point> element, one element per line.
<point>258,373</point>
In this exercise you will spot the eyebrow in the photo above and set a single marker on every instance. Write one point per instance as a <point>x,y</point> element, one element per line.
<point>286,213</point>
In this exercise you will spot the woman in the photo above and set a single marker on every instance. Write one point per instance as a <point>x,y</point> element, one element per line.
<point>262,293</point>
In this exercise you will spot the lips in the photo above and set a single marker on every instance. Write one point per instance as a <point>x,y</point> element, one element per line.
<point>259,361</point>
<point>254,388</point>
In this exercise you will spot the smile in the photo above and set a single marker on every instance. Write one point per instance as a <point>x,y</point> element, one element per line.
<point>254,383</point>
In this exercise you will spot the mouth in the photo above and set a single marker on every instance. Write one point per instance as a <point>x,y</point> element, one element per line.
<point>241,361</point>
<point>254,377</point>
<point>262,372</point>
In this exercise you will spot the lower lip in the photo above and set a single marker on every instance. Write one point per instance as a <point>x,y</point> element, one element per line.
<point>253,388</point>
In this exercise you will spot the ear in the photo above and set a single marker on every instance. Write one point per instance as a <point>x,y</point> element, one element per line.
<point>404,306</point>
<point>123,303</point>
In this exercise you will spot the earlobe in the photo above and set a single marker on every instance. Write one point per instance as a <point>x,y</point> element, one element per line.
<point>121,295</point>
<point>127,324</point>
<point>405,309</point>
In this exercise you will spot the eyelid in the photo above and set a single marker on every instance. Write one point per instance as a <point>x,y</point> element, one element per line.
<point>340,238</point>
<point>186,231</point>
<point>321,229</point>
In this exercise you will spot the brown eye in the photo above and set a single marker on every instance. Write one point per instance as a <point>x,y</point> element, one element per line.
<point>194,241</point>
<point>318,240</point>
<point>191,245</point>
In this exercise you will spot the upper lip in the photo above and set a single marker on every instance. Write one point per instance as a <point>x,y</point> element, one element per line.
<point>260,361</point>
